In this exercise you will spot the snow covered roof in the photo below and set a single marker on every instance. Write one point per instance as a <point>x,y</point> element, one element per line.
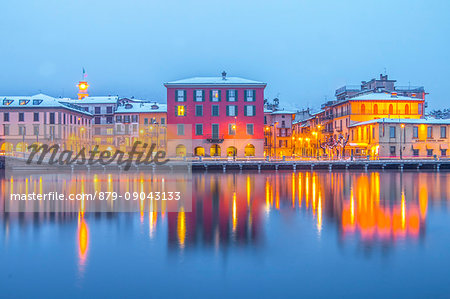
<point>283,112</point>
<point>95,100</point>
<point>142,108</point>
<point>420,121</point>
<point>39,101</point>
<point>215,81</point>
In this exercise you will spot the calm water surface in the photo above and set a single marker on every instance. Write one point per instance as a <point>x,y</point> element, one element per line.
<point>321,234</point>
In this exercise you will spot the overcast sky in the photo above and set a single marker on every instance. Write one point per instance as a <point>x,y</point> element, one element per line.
<point>304,50</point>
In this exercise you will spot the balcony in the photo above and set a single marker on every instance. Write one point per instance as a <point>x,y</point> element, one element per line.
<point>214,138</point>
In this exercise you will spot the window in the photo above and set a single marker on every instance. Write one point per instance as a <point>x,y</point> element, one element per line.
<point>126,118</point>
<point>249,129</point>
<point>283,124</point>
<point>145,121</point>
<point>215,95</point>
<point>109,110</point>
<point>250,110</point>
<point>97,120</point>
<point>180,129</point>
<point>375,109</point>
<point>231,129</point>
<point>199,129</point>
<point>391,132</point>
<point>21,116</point>
<point>52,118</point>
<point>37,102</point>
<point>7,102</point>
<point>429,152</point>
<point>215,110</point>
<point>198,110</point>
<point>429,132</point>
<point>363,109</point>
<point>265,119</point>
<point>443,152</point>
<point>97,131</point>
<point>119,118</point>
<point>23,102</point>
<point>391,109</point>
<point>35,116</point>
<point>250,95</point>
<point>199,94</point>
<point>180,111</point>
<point>22,130</point>
<point>406,109</point>
<point>392,150</point>
<point>163,120</point>
<point>134,118</point>
<point>86,109</point>
<point>36,130</point>
<point>180,95</point>
<point>109,131</point>
<point>443,132</point>
<point>6,116</point>
<point>231,110</point>
<point>6,130</point>
<point>415,152</point>
<point>97,110</point>
<point>231,95</point>
<point>415,132</point>
<point>109,119</point>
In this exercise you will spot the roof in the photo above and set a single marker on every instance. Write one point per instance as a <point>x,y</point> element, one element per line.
<point>283,112</point>
<point>215,81</point>
<point>142,108</point>
<point>94,100</point>
<point>39,101</point>
<point>420,121</point>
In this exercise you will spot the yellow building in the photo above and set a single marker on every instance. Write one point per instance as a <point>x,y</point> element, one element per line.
<point>401,138</point>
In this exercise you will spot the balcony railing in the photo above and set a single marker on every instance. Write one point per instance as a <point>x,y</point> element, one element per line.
<point>215,138</point>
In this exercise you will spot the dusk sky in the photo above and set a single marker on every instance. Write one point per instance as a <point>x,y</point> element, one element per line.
<point>304,50</point>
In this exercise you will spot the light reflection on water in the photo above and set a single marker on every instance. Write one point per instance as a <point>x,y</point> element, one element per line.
<point>254,212</point>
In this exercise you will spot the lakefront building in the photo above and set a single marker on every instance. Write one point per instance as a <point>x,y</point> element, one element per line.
<point>42,119</point>
<point>216,116</point>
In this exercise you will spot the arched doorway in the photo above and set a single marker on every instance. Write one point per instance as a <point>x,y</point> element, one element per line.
<point>21,147</point>
<point>231,151</point>
<point>199,151</point>
<point>215,150</point>
<point>6,148</point>
<point>249,150</point>
<point>181,150</point>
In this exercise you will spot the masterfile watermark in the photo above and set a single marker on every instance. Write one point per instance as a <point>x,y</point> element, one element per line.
<point>138,155</point>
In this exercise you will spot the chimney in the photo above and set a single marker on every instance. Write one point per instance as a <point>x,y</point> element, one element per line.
<point>224,75</point>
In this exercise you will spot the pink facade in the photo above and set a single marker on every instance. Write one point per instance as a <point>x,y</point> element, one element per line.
<point>231,114</point>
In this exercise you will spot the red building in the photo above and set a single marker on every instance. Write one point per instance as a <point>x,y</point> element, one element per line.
<point>216,116</point>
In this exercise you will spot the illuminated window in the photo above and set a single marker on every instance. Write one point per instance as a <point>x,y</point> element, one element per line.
<point>375,109</point>
<point>407,109</point>
<point>180,110</point>
<point>391,109</point>
<point>7,102</point>
<point>215,95</point>
<point>23,102</point>
<point>231,129</point>
<point>363,109</point>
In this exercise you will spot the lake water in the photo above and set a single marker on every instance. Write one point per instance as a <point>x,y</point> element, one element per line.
<point>268,234</point>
